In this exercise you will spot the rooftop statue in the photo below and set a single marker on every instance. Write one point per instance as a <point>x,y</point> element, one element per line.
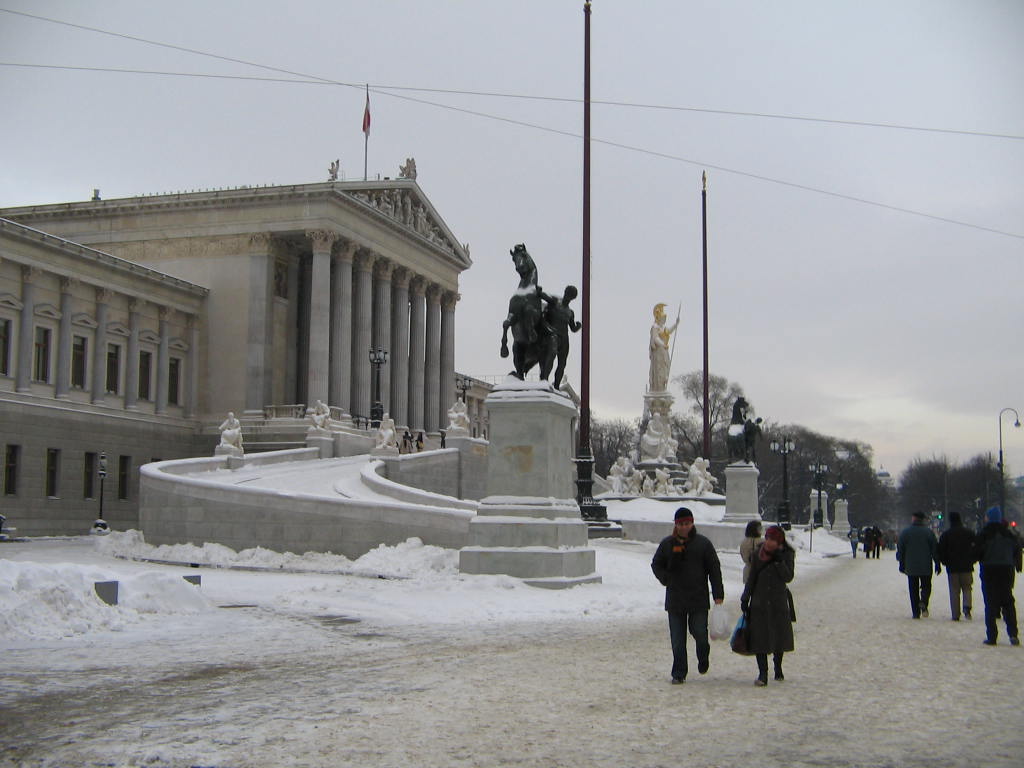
<point>533,339</point>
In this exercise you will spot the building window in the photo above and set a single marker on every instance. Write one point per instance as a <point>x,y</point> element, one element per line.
<point>41,362</point>
<point>79,349</point>
<point>5,347</point>
<point>11,454</point>
<point>89,476</point>
<point>113,367</point>
<point>124,466</point>
<point>174,381</point>
<point>52,471</point>
<point>145,371</point>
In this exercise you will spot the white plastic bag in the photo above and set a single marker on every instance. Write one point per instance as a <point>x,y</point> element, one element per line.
<point>720,625</point>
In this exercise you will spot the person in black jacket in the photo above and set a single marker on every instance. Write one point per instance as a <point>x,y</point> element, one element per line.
<point>956,552</point>
<point>766,603</point>
<point>684,563</point>
<point>999,553</point>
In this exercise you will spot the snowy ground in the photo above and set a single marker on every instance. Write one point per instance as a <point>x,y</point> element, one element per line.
<point>336,666</point>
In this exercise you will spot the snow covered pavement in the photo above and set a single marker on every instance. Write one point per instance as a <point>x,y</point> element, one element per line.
<point>447,670</point>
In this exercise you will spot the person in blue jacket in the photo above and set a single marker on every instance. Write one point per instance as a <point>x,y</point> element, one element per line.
<point>999,552</point>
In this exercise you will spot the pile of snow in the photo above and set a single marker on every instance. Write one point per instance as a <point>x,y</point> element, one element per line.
<point>45,601</point>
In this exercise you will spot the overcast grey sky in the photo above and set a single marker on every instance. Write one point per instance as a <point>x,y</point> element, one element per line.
<point>854,319</point>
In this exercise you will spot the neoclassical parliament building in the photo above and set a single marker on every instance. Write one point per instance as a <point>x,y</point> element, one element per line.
<point>131,327</point>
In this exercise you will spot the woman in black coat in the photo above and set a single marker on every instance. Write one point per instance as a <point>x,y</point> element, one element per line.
<point>766,602</point>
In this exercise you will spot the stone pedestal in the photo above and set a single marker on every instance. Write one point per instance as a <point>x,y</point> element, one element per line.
<point>227,450</point>
<point>529,525</point>
<point>322,440</point>
<point>841,525</point>
<point>741,493</point>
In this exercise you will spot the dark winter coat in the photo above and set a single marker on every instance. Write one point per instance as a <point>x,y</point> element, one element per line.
<point>917,549</point>
<point>685,568</point>
<point>771,629</point>
<point>956,549</point>
<point>997,546</point>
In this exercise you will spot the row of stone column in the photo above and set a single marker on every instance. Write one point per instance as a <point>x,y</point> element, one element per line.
<point>98,388</point>
<point>365,301</point>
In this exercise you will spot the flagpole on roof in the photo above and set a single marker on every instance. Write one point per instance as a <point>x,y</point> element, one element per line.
<point>366,130</point>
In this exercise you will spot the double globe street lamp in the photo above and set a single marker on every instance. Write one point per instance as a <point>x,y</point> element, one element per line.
<point>819,470</point>
<point>378,357</point>
<point>783,447</point>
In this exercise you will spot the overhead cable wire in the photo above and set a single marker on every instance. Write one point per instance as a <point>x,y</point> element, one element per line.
<point>382,90</point>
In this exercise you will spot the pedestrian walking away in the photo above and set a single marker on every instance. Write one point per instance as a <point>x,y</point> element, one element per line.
<point>999,552</point>
<point>685,563</point>
<point>956,552</point>
<point>766,602</point>
<point>916,551</point>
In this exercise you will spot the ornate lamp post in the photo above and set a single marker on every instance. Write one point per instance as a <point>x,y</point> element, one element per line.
<point>100,525</point>
<point>819,470</point>
<point>1002,482</point>
<point>783,447</point>
<point>378,357</point>
<point>462,383</point>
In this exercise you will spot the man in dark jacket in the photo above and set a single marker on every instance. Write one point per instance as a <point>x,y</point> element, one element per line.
<point>684,563</point>
<point>956,552</point>
<point>999,553</point>
<point>916,550</point>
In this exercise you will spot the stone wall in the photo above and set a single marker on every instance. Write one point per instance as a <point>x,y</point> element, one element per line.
<point>38,424</point>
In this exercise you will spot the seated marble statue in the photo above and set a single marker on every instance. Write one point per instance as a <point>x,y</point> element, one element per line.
<point>617,475</point>
<point>231,432</point>
<point>458,420</point>
<point>321,415</point>
<point>387,435</point>
<point>648,484</point>
<point>657,443</point>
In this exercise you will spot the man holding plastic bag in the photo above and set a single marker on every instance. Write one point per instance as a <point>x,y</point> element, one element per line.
<point>685,563</point>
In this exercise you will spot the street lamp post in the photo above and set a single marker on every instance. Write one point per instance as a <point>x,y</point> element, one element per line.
<point>783,447</point>
<point>462,383</point>
<point>378,357</point>
<point>819,471</point>
<point>1002,482</point>
<point>100,525</point>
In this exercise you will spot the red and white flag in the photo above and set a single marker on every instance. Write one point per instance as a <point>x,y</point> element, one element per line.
<point>366,114</point>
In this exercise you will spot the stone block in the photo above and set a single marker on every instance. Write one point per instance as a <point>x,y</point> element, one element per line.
<point>106,591</point>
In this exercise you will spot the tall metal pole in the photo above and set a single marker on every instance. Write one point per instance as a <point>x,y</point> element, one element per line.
<point>704,238</point>
<point>590,509</point>
<point>1002,481</point>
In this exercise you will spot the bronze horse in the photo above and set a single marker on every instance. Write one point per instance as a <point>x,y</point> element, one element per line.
<point>533,340</point>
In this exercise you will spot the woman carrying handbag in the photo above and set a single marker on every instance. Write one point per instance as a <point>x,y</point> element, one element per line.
<point>768,603</point>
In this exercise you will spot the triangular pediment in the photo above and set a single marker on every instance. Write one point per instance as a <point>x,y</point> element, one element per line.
<point>84,320</point>
<point>47,310</point>
<point>407,207</point>
<point>118,329</point>
<point>149,337</point>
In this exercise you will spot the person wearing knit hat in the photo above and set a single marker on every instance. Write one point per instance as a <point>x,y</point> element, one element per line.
<point>956,546</point>
<point>917,550</point>
<point>685,563</point>
<point>766,602</point>
<point>999,552</point>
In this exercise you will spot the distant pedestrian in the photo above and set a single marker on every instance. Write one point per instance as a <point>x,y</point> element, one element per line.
<point>765,601</point>
<point>999,552</point>
<point>685,563</point>
<point>877,539</point>
<point>419,442</point>
<point>752,540</point>
<point>956,552</point>
<point>916,551</point>
<point>854,536</point>
<point>407,442</point>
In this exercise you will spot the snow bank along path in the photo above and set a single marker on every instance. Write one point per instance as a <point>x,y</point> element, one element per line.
<point>867,686</point>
